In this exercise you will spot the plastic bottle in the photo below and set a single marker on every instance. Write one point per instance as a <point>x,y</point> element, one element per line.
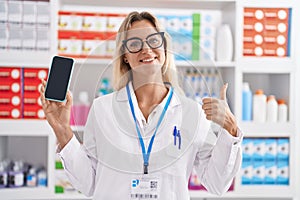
<point>31,178</point>
<point>259,106</point>
<point>188,83</point>
<point>205,84</point>
<point>16,175</point>
<point>272,109</point>
<point>3,175</point>
<point>42,177</point>
<point>202,83</point>
<point>282,111</point>
<point>224,43</point>
<point>246,102</point>
<point>80,110</point>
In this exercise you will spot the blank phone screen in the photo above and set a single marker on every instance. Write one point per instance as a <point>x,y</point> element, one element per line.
<point>58,79</point>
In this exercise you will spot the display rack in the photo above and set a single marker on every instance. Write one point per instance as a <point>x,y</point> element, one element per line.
<point>252,69</point>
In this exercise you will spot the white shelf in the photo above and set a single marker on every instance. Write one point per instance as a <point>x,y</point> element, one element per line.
<point>26,193</point>
<point>167,4</point>
<point>24,127</point>
<point>25,58</point>
<point>252,129</point>
<point>70,196</point>
<point>38,193</point>
<point>253,191</point>
<point>267,65</point>
<point>187,63</point>
<point>268,3</point>
<point>190,63</point>
<point>92,61</point>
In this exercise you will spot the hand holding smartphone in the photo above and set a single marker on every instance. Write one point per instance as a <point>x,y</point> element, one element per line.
<point>59,78</point>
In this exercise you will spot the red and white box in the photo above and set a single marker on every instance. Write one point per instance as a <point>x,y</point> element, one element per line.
<point>266,32</point>
<point>32,107</point>
<point>10,93</point>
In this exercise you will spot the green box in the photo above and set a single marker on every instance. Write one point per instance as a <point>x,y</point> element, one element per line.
<point>196,18</point>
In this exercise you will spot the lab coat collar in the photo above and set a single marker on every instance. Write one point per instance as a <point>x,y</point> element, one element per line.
<point>122,95</point>
<point>126,122</point>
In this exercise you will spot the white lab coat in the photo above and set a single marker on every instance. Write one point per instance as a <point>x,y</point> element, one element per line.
<point>111,154</point>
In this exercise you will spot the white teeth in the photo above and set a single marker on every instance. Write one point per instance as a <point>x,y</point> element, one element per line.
<point>148,60</point>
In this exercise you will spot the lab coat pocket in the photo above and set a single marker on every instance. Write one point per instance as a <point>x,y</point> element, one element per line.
<point>177,157</point>
<point>181,142</point>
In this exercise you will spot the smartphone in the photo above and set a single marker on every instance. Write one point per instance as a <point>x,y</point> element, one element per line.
<point>59,77</point>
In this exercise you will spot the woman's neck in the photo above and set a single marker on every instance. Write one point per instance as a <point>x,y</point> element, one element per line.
<point>149,96</point>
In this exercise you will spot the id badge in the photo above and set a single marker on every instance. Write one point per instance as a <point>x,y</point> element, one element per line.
<point>146,187</point>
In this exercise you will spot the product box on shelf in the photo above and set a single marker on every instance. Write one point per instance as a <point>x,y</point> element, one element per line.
<point>246,172</point>
<point>10,92</point>
<point>3,11</point>
<point>43,12</point>
<point>265,161</point>
<point>270,172</point>
<point>29,12</point>
<point>19,92</point>
<point>29,38</point>
<point>32,107</point>
<point>14,11</point>
<point>43,38</point>
<point>69,21</point>
<point>3,36</point>
<point>94,22</point>
<point>282,173</point>
<point>267,32</point>
<point>248,149</point>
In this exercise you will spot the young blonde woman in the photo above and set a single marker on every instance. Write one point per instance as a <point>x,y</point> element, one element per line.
<point>142,141</point>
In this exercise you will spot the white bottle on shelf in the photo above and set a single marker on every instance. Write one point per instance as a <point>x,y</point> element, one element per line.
<point>282,111</point>
<point>272,109</point>
<point>246,102</point>
<point>224,49</point>
<point>259,106</point>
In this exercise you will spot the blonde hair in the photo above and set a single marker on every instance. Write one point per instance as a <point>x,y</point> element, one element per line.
<point>122,71</point>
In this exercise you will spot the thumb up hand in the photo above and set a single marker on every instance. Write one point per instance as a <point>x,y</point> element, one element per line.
<point>218,111</point>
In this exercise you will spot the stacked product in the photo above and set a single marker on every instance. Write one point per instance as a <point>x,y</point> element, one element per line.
<point>260,108</point>
<point>83,34</point>
<point>19,92</point>
<point>25,25</point>
<point>14,174</point>
<point>267,32</point>
<point>265,161</point>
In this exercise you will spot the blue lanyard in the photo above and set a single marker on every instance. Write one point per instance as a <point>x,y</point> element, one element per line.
<point>146,155</point>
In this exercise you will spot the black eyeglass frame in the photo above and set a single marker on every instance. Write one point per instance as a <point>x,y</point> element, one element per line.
<point>142,41</point>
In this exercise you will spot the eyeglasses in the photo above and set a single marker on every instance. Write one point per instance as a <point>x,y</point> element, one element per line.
<point>135,44</point>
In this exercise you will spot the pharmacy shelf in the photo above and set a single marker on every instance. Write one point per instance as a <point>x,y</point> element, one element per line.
<point>27,193</point>
<point>192,4</point>
<point>23,132</point>
<point>267,65</point>
<point>25,127</point>
<point>92,61</point>
<point>187,63</point>
<point>268,3</point>
<point>252,129</point>
<point>253,191</point>
<point>70,196</point>
<point>25,58</point>
<point>190,63</point>
<point>39,193</point>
